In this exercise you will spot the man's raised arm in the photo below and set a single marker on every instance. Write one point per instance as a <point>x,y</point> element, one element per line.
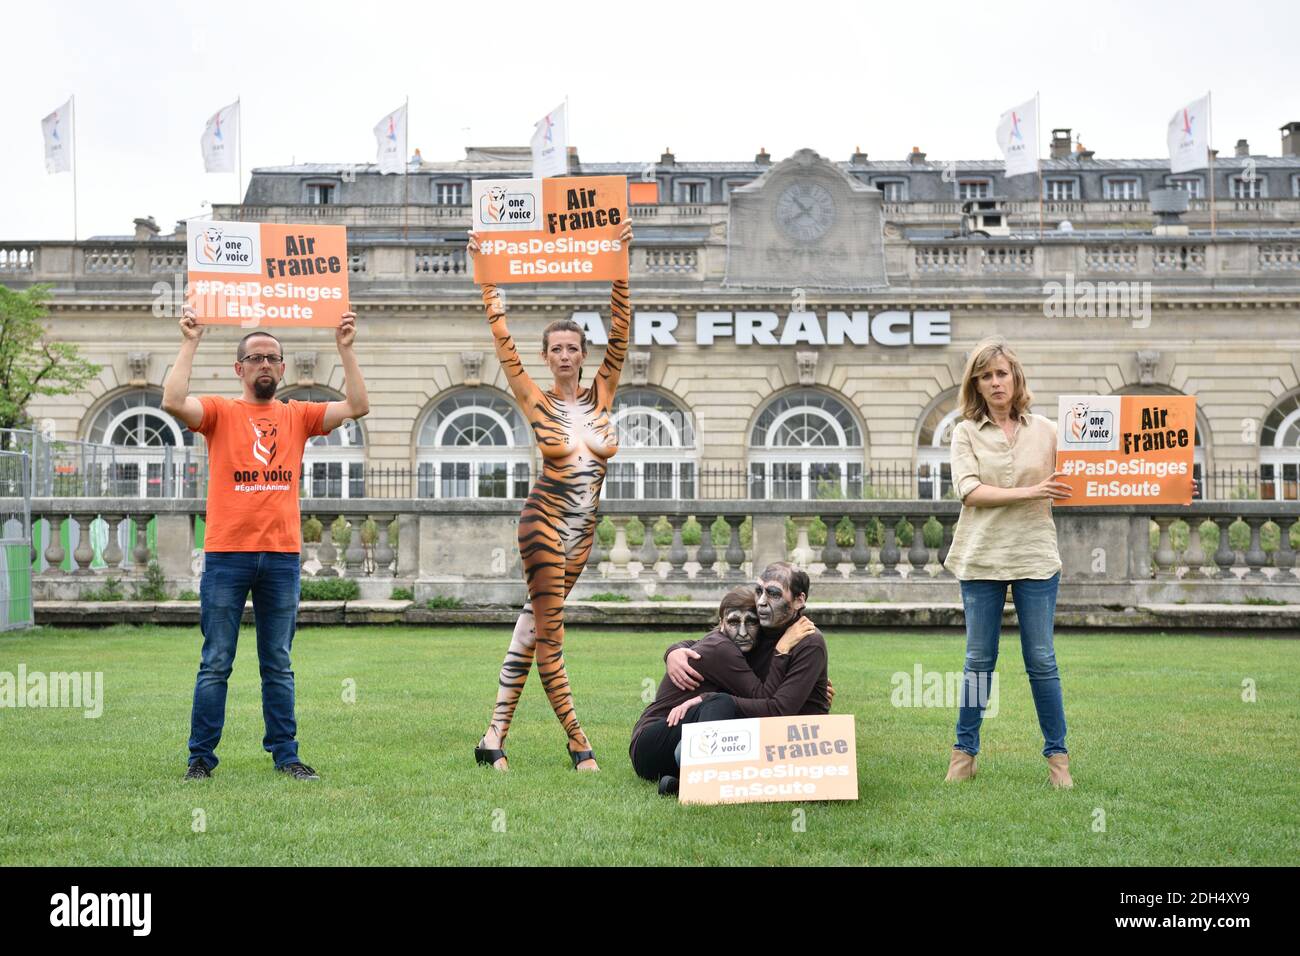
<point>177,400</point>
<point>356,402</point>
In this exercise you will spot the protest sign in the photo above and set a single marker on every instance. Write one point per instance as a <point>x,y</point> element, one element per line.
<point>1126,449</point>
<point>267,274</point>
<point>769,760</point>
<point>550,230</point>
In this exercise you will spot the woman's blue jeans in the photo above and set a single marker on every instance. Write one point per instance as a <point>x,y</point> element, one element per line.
<point>228,577</point>
<point>1035,603</point>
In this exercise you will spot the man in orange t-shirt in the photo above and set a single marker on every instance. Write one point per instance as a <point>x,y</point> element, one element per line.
<point>253,538</point>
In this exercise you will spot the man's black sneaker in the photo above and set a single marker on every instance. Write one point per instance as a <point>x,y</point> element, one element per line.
<point>199,770</point>
<point>667,785</point>
<point>299,771</point>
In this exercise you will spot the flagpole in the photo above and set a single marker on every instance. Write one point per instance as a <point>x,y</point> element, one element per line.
<point>239,148</point>
<point>406,171</point>
<point>1038,160</point>
<point>1209,152</point>
<point>568,136</point>
<point>73,98</point>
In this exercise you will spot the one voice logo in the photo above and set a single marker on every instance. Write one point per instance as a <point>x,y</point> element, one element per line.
<point>103,909</point>
<point>498,205</point>
<point>213,246</point>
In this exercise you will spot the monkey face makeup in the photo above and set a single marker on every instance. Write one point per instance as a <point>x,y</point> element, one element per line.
<point>741,628</point>
<point>777,607</point>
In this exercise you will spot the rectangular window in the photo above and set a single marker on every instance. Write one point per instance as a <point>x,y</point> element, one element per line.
<point>426,480</point>
<point>491,480</point>
<point>1121,189</point>
<point>893,191</point>
<point>455,479</point>
<point>521,480</point>
<point>824,480</point>
<point>356,479</point>
<point>659,479</point>
<point>449,194</point>
<point>1062,190</point>
<point>620,480</point>
<point>687,481</point>
<point>320,194</point>
<point>787,479</point>
<point>757,481</point>
<point>1244,188</point>
<point>694,192</point>
<point>1190,184</point>
<point>973,189</point>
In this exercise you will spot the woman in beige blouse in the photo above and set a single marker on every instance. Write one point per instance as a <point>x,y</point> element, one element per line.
<point>1003,466</point>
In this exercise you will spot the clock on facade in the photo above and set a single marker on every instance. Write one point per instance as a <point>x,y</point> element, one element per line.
<point>805,211</point>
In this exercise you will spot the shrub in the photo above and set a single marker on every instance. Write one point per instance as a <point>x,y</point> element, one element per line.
<point>402,594</point>
<point>311,529</point>
<point>154,585</point>
<point>330,589</point>
<point>439,601</point>
<point>341,533</point>
<point>608,596</point>
<point>187,595</point>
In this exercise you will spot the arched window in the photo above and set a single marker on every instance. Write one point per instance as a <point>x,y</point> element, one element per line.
<point>657,453</point>
<point>934,448</point>
<point>1279,451</point>
<point>473,444</point>
<point>151,455</point>
<point>333,465</point>
<point>805,444</point>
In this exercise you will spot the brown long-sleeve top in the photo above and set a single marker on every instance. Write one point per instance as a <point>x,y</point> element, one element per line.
<point>763,683</point>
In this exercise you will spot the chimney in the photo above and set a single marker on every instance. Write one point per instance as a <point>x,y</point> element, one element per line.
<point>145,229</point>
<point>180,230</point>
<point>667,158</point>
<point>762,157</point>
<point>1061,143</point>
<point>1291,139</point>
<point>859,158</point>
<point>1243,148</point>
<point>574,161</point>
<point>916,158</point>
<point>1083,155</point>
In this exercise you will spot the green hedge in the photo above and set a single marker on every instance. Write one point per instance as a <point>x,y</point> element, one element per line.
<point>330,589</point>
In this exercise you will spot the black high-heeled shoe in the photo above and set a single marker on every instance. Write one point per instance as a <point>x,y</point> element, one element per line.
<point>578,756</point>
<point>488,755</point>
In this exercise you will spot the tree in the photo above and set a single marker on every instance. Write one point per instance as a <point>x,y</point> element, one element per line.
<point>31,363</point>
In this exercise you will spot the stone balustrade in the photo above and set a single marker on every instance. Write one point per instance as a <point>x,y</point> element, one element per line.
<point>1209,552</point>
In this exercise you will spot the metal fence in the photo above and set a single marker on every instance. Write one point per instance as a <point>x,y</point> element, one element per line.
<point>16,551</point>
<point>80,469</point>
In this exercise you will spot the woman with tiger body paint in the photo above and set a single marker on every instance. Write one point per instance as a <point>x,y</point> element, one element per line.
<point>576,435</point>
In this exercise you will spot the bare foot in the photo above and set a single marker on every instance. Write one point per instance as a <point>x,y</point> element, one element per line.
<point>492,741</point>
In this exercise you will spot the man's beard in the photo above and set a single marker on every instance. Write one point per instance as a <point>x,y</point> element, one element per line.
<point>264,388</point>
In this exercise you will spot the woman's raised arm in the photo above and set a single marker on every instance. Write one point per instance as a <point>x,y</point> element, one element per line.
<point>620,321</point>
<point>521,384</point>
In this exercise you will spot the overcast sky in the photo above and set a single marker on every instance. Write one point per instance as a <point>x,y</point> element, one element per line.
<point>712,81</point>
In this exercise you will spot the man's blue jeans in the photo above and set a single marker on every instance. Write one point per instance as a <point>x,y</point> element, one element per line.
<point>1035,603</point>
<point>228,576</point>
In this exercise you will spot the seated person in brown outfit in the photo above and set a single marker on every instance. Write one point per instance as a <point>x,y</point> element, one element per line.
<point>775,669</point>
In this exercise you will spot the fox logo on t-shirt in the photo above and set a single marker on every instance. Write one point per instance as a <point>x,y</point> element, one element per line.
<point>264,434</point>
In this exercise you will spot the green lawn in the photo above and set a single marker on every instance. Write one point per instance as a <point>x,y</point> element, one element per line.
<point>1162,743</point>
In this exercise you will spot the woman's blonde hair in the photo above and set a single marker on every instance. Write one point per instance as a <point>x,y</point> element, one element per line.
<point>973,406</point>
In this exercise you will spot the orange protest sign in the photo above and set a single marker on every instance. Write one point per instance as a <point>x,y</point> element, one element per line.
<point>1126,449</point>
<point>573,235</point>
<point>254,274</point>
<point>769,760</point>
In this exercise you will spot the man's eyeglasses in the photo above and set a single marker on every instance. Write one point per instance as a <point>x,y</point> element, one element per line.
<point>257,359</point>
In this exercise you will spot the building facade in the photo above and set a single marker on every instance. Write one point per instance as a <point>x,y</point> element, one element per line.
<point>800,325</point>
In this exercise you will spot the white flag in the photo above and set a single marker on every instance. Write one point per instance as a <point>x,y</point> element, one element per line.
<point>551,144</point>
<point>390,134</point>
<point>1018,138</point>
<point>57,130</point>
<point>220,140</point>
<point>1189,136</point>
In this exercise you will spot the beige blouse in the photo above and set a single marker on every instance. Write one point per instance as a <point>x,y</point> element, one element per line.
<point>1013,541</point>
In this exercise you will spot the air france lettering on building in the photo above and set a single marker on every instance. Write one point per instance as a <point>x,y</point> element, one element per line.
<point>890,328</point>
